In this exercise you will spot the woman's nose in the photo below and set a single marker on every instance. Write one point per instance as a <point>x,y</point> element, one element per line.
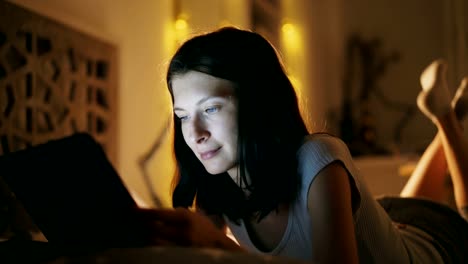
<point>198,131</point>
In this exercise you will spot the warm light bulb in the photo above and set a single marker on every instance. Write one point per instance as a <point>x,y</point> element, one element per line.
<point>288,28</point>
<point>291,36</point>
<point>181,24</point>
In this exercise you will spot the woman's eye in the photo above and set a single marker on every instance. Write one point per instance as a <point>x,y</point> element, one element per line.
<point>182,118</point>
<point>212,109</point>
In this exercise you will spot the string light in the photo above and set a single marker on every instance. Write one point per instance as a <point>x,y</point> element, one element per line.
<point>181,24</point>
<point>181,28</point>
<point>291,38</point>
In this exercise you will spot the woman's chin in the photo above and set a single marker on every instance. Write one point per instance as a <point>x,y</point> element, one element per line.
<point>215,167</point>
<point>214,171</point>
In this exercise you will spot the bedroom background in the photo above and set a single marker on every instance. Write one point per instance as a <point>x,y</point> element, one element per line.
<point>355,64</point>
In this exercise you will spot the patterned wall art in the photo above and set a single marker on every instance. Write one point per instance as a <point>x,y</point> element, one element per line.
<point>54,81</point>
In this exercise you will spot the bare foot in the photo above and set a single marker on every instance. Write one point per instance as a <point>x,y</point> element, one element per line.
<point>434,99</point>
<point>460,100</point>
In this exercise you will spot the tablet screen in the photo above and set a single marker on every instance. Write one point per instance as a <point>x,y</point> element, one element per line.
<point>72,192</point>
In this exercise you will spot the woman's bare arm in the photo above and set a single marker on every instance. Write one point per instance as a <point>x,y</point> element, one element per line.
<point>330,209</point>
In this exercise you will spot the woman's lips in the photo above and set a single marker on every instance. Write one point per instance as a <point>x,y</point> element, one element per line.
<point>209,154</point>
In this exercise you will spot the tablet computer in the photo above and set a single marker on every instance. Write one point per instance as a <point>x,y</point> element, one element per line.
<point>72,192</point>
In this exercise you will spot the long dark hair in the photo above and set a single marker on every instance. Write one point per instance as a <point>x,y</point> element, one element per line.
<point>269,121</point>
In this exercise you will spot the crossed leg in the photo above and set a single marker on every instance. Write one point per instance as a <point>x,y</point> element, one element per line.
<point>449,149</point>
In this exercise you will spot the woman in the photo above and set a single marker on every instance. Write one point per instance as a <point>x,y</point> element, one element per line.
<point>246,161</point>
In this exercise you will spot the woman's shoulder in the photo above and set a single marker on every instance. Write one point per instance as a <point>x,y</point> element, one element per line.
<point>323,148</point>
<point>322,141</point>
<point>319,135</point>
<point>319,150</point>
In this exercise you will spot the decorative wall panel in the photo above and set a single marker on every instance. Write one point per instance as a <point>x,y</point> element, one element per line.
<point>54,81</point>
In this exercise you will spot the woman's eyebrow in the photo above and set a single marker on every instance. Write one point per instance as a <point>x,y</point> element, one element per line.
<point>204,99</point>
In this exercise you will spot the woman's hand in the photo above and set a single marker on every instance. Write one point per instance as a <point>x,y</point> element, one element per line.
<point>181,227</point>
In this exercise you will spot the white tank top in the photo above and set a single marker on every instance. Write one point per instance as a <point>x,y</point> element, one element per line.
<point>378,239</point>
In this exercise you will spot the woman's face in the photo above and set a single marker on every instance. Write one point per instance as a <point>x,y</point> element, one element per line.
<point>207,109</point>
